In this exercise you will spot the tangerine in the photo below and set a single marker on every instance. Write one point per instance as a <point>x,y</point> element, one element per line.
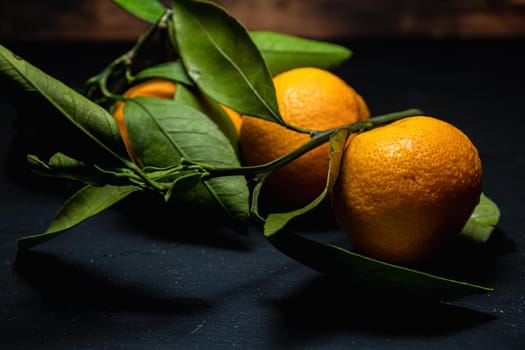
<point>407,188</point>
<point>309,98</point>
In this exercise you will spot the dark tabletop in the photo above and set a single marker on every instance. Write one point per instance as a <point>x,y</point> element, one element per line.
<point>127,279</point>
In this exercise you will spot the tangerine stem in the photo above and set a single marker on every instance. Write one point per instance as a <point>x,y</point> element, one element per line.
<point>318,138</point>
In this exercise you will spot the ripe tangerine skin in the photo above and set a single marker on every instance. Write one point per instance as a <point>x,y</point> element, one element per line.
<point>406,189</point>
<point>309,98</point>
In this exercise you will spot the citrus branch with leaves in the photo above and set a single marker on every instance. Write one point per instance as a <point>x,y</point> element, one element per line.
<point>214,61</point>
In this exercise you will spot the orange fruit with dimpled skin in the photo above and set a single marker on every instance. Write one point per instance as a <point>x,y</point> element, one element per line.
<point>406,189</point>
<point>309,98</point>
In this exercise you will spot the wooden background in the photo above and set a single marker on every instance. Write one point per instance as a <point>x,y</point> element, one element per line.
<point>329,19</point>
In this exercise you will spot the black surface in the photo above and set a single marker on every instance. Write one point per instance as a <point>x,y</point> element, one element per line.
<point>118,282</point>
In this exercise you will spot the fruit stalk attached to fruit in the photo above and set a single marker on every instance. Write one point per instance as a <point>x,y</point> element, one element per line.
<point>169,122</point>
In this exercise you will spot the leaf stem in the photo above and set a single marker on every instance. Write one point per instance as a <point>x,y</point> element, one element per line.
<point>124,61</point>
<point>147,180</point>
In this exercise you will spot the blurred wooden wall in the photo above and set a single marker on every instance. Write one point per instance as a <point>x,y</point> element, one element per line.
<point>328,19</point>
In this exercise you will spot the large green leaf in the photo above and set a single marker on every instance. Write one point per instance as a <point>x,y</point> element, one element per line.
<point>163,132</point>
<point>148,10</point>
<point>222,60</point>
<point>283,52</point>
<point>93,120</point>
<point>193,97</point>
<point>370,274</point>
<point>87,202</point>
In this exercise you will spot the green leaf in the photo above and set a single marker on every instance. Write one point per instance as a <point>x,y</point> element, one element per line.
<point>277,221</point>
<point>93,120</point>
<point>187,180</point>
<point>87,202</point>
<point>482,221</point>
<point>194,98</point>
<point>65,167</point>
<point>148,10</point>
<point>370,274</point>
<point>186,96</point>
<point>222,60</point>
<point>163,132</point>
<point>280,51</point>
<point>173,71</point>
<point>283,52</point>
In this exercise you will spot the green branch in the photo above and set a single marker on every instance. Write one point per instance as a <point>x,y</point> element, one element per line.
<point>318,138</point>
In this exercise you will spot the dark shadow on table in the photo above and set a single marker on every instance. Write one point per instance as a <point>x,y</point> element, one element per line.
<point>70,306</point>
<point>326,306</point>
<point>472,262</point>
<point>144,213</point>
<point>76,288</point>
<point>329,305</point>
<point>147,213</point>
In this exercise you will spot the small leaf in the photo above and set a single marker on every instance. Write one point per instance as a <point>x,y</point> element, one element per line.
<point>87,202</point>
<point>482,221</point>
<point>173,71</point>
<point>222,60</point>
<point>184,182</point>
<point>65,167</point>
<point>370,274</point>
<point>276,221</point>
<point>147,10</point>
<point>283,52</point>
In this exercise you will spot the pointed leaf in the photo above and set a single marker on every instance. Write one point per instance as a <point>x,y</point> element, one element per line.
<point>283,52</point>
<point>65,167</point>
<point>280,51</point>
<point>370,274</point>
<point>148,10</point>
<point>87,202</point>
<point>222,60</point>
<point>162,132</point>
